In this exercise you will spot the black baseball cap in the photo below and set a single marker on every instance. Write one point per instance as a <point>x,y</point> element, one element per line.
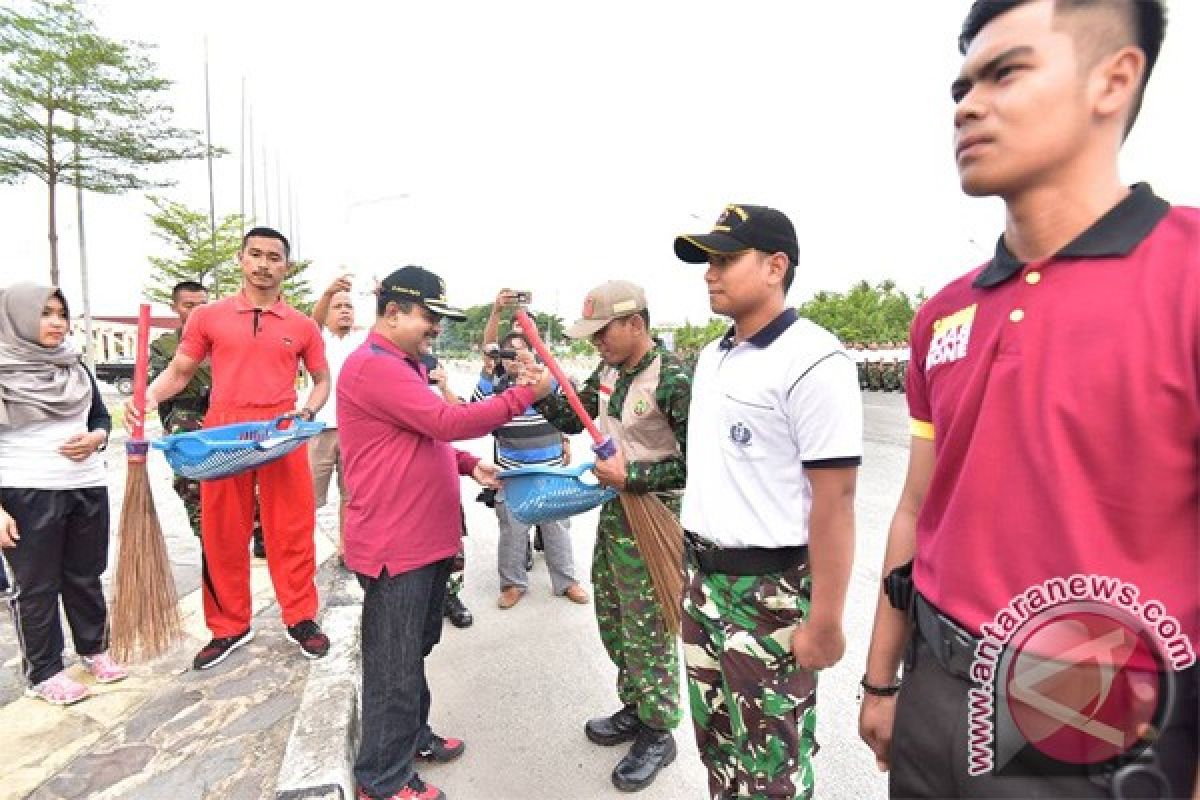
<point>419,285</point>
<point>741,227</point>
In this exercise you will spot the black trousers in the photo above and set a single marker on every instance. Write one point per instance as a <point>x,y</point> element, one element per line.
<point>930,742</point>
<point>62,553</point>
<point>401,622</point>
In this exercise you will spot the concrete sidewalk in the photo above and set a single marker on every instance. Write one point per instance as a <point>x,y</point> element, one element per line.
<point>518,685</point>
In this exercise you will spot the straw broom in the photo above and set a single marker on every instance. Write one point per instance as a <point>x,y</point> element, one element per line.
<point>145,611</point>
<point>660,538</point>
<point>656,530</point>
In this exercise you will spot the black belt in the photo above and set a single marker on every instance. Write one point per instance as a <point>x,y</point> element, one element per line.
<point>951,644</point>
<point>710,558</point>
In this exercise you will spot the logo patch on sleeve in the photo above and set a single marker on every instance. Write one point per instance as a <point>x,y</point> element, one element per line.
<point>951,335</point>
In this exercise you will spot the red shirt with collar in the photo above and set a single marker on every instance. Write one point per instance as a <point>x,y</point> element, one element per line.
<point>401,472</point>
<point>255,353</point>
<point>1063,400</point>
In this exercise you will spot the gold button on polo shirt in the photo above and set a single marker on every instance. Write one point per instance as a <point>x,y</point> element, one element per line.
<point>1017,315</point>
<point>1033,278</point>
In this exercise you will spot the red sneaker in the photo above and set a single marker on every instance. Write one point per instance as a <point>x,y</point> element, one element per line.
<point>416,789</point>
<point>442,750</point>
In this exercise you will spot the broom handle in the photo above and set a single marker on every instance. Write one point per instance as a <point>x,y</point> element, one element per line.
<point>141,370</point>
<point>603,446</point>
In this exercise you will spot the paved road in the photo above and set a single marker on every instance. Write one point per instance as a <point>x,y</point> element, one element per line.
<point>517,685</point>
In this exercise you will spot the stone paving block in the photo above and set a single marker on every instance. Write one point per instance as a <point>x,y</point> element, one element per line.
<point>93,773</point>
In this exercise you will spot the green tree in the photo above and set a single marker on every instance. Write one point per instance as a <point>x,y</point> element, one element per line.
<point>76,107</point>
<point>461,336</point>
<point>297,291</point>
<point>690,339</point>
<point>865,313</point>
<point>187,233</point>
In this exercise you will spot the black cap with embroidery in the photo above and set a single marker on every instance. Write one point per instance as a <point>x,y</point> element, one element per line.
<point>419,285</point>
<point>741,227</point>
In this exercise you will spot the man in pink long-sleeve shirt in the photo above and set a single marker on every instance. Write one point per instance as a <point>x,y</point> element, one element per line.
<point>402,520</point>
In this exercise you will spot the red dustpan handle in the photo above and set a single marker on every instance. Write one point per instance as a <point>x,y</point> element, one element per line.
<point>136,447</point>
<point>603,447</point>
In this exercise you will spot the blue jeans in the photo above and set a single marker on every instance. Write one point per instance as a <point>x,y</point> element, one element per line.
<point>401,622</point>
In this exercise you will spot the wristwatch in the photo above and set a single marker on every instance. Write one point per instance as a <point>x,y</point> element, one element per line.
<point>103,445</point>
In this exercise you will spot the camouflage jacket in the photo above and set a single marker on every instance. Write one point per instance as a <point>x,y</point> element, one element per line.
<point>673,396</point>
<point>194,396</point>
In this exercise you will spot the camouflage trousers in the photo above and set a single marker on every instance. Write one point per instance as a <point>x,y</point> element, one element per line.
<point>458,567</point>
<point>631,623</point>
<point>754,709</point>
<point>187,488</point>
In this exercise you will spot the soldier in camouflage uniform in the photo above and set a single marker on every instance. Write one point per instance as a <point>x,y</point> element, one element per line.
<point>185,411</point>
<point>639,396</point>
<point>775,442</point>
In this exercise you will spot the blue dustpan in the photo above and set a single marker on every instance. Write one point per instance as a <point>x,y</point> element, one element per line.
<point>542,494</point>
<point>226,450</point>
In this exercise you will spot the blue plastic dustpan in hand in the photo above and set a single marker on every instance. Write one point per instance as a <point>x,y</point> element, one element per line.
<point>541,494</point>
<point>226,450</point>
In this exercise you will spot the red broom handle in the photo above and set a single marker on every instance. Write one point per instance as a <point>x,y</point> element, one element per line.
<point>531,333</point>
<point>141,370</point>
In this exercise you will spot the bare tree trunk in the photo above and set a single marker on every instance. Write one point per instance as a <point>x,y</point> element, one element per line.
<point>52,182</point>
<point>89,351</point>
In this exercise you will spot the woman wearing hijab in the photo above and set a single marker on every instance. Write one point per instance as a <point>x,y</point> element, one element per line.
<point>53,498</point>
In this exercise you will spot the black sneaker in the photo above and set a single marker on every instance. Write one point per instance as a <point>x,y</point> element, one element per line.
<point>441,750</point>
<point>539,543</point>
<point>218,650</point>
<point>260,547</point>
<point>313,643</point>
<point>528,557</point>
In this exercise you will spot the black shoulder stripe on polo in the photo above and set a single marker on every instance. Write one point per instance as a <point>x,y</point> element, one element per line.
<point>813,366</point>
<point>833,463</point>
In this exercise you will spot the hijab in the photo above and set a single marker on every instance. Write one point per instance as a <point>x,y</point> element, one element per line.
<point>36,382</point>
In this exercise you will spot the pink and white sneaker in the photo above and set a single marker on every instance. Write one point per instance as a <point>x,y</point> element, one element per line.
<point>61,690</point>
<point>104,669</point>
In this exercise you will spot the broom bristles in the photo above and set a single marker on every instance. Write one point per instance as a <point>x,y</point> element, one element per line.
<point>659,537</point>
<point>145,611</point>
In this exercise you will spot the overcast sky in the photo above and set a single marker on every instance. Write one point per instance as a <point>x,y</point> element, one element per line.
<point>555,145</point>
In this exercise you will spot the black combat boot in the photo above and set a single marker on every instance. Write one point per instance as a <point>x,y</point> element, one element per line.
<point>652,750</point>
<point>622,726</point>
<point>456,612</point>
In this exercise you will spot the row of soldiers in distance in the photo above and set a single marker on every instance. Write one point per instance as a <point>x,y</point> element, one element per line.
<point>881,365</point>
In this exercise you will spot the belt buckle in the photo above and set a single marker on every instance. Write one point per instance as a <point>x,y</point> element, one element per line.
<point>700,546</point>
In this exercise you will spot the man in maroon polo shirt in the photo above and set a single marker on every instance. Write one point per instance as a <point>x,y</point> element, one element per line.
<point>403,520</point>
<point>1051,511</point>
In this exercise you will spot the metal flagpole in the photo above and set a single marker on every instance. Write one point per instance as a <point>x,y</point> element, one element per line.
<point>266,187</point>
<point>253,183</point>
<point>212,209</point>
<point>242,161</point>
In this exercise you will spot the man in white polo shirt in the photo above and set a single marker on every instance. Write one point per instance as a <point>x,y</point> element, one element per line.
<point>775,441</point>
<point>334,315</point>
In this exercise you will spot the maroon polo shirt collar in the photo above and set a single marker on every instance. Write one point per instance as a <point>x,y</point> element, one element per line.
<point>1114,234</point>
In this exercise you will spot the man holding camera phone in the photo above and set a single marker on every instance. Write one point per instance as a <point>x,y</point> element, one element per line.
<point>526,440</point>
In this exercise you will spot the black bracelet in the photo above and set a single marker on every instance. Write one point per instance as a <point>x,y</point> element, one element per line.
<point>879,691</point>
